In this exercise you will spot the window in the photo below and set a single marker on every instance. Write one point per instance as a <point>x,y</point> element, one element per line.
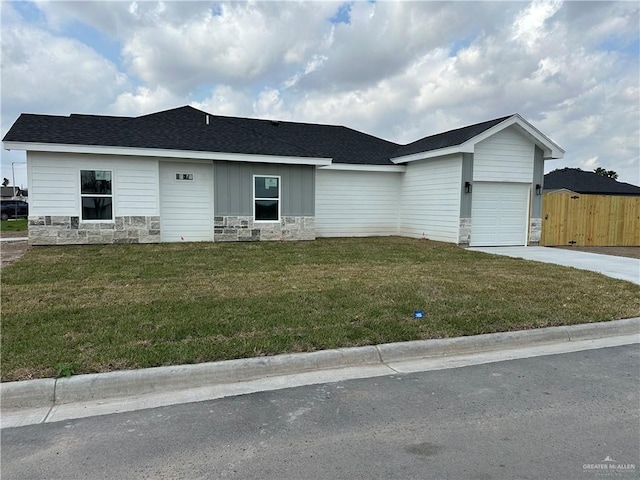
<point>266,198</point>
<point>96,195</point>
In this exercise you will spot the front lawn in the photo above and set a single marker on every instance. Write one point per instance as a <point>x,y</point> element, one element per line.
<point>101,308</point>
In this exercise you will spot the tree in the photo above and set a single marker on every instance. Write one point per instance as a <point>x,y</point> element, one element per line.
<point>5,182</point>
<point>606,173</point>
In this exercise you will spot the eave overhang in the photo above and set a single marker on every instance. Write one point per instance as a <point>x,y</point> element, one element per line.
<point>551,150</point>
<point>365,168</point>
<point>166,153</point>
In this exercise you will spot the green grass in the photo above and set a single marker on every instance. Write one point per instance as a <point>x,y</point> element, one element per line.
<point>18,225</point>
<point>103,308</point>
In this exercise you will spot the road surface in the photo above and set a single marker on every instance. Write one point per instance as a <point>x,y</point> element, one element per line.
<point>568,416</point>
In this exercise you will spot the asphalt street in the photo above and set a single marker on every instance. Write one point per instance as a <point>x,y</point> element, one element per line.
<point>566,416</point>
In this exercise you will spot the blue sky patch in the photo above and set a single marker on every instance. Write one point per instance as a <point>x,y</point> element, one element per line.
<point>29,12</point>
<point>216,10</point>
<point>616,44</point>
<point>343,15</point>
<point>460,44</point>
<point>92,38</point>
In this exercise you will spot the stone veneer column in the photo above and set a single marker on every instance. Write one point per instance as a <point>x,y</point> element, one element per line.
<point>535,231</point>
<point>61,230</point>
<point>243,228</point>
<point>464,234</point>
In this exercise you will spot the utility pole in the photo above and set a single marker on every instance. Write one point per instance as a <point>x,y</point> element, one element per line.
<point>13,179</point>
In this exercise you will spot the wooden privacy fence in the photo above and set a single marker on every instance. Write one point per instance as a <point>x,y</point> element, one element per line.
<point>590,220</point>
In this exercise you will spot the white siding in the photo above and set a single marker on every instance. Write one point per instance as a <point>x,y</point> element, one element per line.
<point>54,183</point>
<point>430,202</point>
<point>186,207</point>
<point>356,204</point>
<point>506,156</point>
<point>136,187</point>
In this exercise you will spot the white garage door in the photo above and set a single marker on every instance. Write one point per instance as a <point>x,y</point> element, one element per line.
<point>499,214</point>
<point>186,202</point>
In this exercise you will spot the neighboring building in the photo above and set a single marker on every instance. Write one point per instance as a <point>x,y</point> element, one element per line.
<point>12,193</point>
<point>186,175</point>
<point>586,183</point>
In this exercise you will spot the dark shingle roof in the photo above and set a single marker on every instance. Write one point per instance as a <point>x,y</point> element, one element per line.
<point>583,182</point>
<point>185,128</point>
<point>447,139</point>
<point>342,144</point>
<point>182,128</point>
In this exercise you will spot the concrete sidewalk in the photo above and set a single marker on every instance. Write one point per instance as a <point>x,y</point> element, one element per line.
<point>622,268</point>
<point>51,400</point>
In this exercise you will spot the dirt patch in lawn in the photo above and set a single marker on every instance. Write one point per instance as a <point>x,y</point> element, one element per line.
<point>12,251</point>
<point>10,234</point>
<point>631,252</point>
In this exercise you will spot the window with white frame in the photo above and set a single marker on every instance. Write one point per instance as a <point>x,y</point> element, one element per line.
<point>266,198</point>
<point>96,194</point>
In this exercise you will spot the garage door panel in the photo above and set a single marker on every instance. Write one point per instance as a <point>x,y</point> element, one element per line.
<point>499,214</point>
<point>186,206</point>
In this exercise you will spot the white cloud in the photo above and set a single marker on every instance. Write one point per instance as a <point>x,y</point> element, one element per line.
<point>400,70</point>
<point>240,44</point>
<point>142,101</point>
<point>590,163</point>
<point>43,72</point>
<point>269,104</point>
<point>529,25</point>
<point>224,100</point>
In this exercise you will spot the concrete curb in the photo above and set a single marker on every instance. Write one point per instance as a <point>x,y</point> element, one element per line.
<point>95,387</point>
<point>14,239</point>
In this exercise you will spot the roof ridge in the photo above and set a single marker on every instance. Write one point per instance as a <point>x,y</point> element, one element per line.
<point>254,119</point>
<point>449,138</point>
<point>498,119</point>
<point>92,115</point>
<point>170,110</point>
<point>277,138</point>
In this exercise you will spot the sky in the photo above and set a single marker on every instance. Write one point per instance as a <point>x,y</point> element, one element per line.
<point>397,70</point>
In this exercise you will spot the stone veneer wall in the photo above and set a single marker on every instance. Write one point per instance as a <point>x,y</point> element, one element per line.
<point>464,233</point>
<point>51,230</point>
<point>535,231</point>
<point>243,228</point>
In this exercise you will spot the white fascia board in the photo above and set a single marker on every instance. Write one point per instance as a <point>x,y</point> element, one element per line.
<point>551,149</point>
<point>165,153</point>
<point>365,168</point>
<point>440,152</point>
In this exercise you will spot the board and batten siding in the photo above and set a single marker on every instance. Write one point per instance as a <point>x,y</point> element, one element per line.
<point>430,200</point>
<point>234,187</point>
<point>506,156</point>
<point>54,183</point>
<point>356,203</point>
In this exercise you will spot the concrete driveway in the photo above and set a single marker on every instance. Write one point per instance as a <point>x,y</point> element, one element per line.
<point>617,267</point>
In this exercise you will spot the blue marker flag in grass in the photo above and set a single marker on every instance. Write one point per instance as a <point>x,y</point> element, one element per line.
<point>418,314</point>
